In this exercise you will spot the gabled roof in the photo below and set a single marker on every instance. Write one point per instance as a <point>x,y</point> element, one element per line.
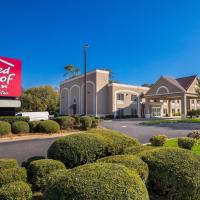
<point>186,82</point>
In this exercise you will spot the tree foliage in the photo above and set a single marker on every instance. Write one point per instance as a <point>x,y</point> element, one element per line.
<point>71,70</point>
<point>43,98</point>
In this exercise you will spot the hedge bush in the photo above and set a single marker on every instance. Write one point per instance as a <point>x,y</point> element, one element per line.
<point>77,120</point>
<point>16,191</point>
<point>11,175</point>
<point>158,140</point>
<point>174,173</point>
<point>194,134</point>
<point>39,170</point>
<point>8,163</point>
<point>27,162</point>
<point>95,122</point>
<point>34,126</point>
<point>86,122</point>
<point>65,122</point>
<point>116,141</point>
<point>131,162</point>
<point>186,143</point>
<point>12,119</point>
<point>5,128</point>
<point>20,127</point>
<point>101,182</point>
<point>77,149</point>
<point>137,149</point>
<point>48,126</point>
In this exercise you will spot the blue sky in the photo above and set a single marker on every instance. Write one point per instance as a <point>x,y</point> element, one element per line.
<point>140,40</point>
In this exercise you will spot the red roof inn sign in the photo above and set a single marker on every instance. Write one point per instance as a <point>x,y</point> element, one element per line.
<point>10,77</point>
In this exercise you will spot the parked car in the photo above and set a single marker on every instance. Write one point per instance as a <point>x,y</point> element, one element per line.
<point>34,116</point>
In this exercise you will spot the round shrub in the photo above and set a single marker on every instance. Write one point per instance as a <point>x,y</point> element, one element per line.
<point>86,122</point>
<point>186,143</point>
<point>116,141</point>
<point>65,122</point>
<point>5,128</point>
<point>20,127</point>
<point>16,191</point>
<point>77,149</point>
<point>174,173</point>
<point>39,170</point>
<point>11,175</point>
<point>158,140</point>
<point>8,163</point>
<point>103,181</point>
<point>77,120</point>
<point>95,122</point>
<point>27,162</point>
<point>131,162</point>
<point>137,149</point>
<point>194,134</point>
<point>34,126</point>
<point>48,126</point>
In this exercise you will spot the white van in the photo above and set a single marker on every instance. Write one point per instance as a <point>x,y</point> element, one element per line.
<point>34,116</point>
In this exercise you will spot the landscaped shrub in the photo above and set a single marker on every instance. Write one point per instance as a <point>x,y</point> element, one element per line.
<point>20,127</point>
<point>27,162</point>
<point>95,122</point>
<point>129,161</point>
<point>99,181</point>
<point>194,113</point>
<point>39,170</point>
<point>77,149</point>
<point>86,122</point>
<point>37,196</point>
<point>116,141</point>
<point>186,143</point>
<point>18,190</point>
<point>12,119</point>
<point>194,134</point>
<point>5,128</point>
<point>65,122</point>
<point>77,120</point>
<point>48,126</point>
<point>174,173</point>
<point>34,126</point>
<point>8,163</point>
<point>137,149</point>
<point>158,140</point>
<point>11,175</point>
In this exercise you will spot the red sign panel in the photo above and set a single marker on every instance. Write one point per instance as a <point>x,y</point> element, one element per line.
<point>10,77</point>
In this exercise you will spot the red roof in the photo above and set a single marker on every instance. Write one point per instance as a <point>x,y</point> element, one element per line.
<point>186,82</point>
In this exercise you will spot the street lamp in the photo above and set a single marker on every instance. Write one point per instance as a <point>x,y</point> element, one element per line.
<point>85,77</point>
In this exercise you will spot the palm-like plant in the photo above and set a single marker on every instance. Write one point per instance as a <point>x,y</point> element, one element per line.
<point>71,70</point>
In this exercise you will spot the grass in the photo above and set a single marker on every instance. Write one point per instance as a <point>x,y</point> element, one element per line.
<point>174,143</point>
<point>160,121</point>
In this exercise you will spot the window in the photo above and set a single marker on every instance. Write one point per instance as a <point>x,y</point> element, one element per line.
<point>120,97</point>
<point>178,110</point>
<point>193,101</point>
<point>173,101</point>
<point>178,101</point>
<point>173,110</point>
<point>133,112</point>
<point>165,111</point>
<point>120,112</point>
<point>133,98</point>
<point>198,102</point>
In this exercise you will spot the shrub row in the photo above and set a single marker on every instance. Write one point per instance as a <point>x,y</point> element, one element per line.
<point>12,119</point>
<point>194,113</point>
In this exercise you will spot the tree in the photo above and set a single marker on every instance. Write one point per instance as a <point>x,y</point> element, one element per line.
<point>198,87</point>
<point>71,70</point>
<point>43,98</point>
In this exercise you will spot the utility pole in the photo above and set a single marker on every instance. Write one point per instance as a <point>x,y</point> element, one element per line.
<point>85,77</point>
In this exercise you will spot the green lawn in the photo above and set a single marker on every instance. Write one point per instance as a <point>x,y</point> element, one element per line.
<point>159,121</point>
<point>174,143</point>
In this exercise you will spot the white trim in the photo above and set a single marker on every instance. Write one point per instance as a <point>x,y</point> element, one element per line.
<point>115,98</point>
<point>61,90</point>
<point>162,87</point>
<point>81,76</point>
<point>164,94</point>
<point>7,63</point>
<point>129,86</point>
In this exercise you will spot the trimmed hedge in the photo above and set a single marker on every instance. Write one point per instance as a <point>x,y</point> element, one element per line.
<point>48,126</point>
<point>34,126</point>
<point>86,122</point>
<point>39,170</point>
<point>16,191</point>
<point>186,143</point>
<point>12,119</point>
<point>131,162</point>
<point>65,122</point>
<point>77,120</point>
<point>77,149</point>
<point>11,175</point>
<point>116,141</point>
<point>8,163</point>
<point>20,127</point>
<point>174,173</point>
<point>103,181</point>
<point>5,128</point>
<point>27,162</point>
<point>137,149</point>
<point>158,140</point>
<point>194,134</point>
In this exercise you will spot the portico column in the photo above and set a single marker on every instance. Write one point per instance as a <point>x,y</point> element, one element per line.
<point>184,106</point>
<point>147,108</point>
<point>169,108</point>
<point>139,107</point>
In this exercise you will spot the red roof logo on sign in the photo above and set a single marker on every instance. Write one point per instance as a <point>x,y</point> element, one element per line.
<point>10,77</point>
